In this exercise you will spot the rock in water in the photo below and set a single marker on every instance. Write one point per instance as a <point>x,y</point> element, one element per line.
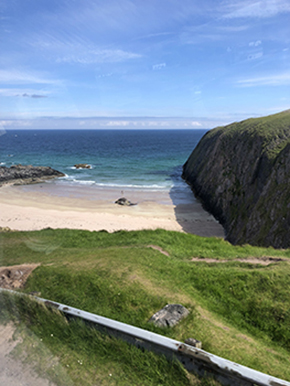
<point>169,316</point>
<point>241,172</point>
<point>26,174</point>
<point>124,201</point>
<point>82,166</point>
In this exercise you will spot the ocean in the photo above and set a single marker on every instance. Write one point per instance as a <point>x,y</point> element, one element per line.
<point>135,160</point>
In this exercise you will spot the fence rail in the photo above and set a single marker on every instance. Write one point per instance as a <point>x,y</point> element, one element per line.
<point>195,360</point>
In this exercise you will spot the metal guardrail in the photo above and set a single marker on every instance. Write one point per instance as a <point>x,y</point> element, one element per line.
<point>193,359</point>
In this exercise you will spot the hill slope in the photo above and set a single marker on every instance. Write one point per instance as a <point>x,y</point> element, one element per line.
<point>241,172</point>
<point>239,307</point>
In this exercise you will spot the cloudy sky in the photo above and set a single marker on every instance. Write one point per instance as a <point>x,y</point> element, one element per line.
<point>156,63</point>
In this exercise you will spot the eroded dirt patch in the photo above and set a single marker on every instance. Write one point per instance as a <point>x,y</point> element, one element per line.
<point>15,276</point>
<point>157,248</point>
<point>251,260</point>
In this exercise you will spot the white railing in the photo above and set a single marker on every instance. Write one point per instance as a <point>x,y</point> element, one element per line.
<point>194,360</point>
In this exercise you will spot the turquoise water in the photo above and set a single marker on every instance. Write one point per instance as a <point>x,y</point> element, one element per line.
<point>145,166</point>
<point>135,159</point>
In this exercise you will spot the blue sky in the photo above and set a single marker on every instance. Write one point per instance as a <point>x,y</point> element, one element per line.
<point>136,63</point>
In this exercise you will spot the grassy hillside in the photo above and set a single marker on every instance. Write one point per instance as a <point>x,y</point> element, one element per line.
<point>238,309</point>
<point>272,130</point>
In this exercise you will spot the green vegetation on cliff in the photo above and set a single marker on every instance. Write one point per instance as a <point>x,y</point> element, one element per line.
<point>241,172</point>
<point>239,308</point>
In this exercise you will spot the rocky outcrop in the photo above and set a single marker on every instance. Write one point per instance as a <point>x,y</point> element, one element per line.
<point>241,172</point>
<point>26,174</point>
<point>169,316</point>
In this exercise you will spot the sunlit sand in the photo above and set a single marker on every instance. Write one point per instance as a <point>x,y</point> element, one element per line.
<point>34,207</point>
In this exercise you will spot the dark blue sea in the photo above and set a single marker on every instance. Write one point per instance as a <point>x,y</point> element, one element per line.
<point>137,159</point>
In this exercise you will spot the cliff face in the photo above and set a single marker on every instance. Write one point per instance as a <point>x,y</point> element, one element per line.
<point>241,172</point>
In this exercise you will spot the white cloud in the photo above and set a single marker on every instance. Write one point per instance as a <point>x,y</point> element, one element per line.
<point>5,124</point>
<point>10,92</point>
<point>196,36</point>
<point>153,36</point>
<point>78,48</point>
<point>116,123</point>
<point>18,92</point>
<point>33,96</point>
<point>104,75</point>
<point>249,8</point>
<point>107,123</point>
<point>159,66</point>
<point>255,44</point>
<point>98,56</point>
<point>269,80</point>
<point>211,32</point>
<point>255,56</point>
<point>195,124</point>
<point>233,28</point>
<point>23,77</point>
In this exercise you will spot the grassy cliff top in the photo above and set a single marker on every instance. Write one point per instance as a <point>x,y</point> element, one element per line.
<point>273,130</point>
<point>272,124</point>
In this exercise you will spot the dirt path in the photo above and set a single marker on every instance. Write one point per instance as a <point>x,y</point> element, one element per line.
<point>251,260</point>
<point>12,371</point>
<point>264,260</point>
<point>157,248</point>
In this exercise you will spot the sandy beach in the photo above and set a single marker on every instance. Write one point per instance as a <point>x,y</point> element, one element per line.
<point>34,207</point>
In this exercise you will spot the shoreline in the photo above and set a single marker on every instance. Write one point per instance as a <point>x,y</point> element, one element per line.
<point>39,206</point>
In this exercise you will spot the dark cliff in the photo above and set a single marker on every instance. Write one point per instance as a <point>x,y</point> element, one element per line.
<point>26,174</point>
<point>241,172</point>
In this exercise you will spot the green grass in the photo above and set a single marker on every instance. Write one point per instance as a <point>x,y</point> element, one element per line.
<point>239,311</point>
<point>49,243</point>
<point>273,130</point>
<point>84,355</point>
